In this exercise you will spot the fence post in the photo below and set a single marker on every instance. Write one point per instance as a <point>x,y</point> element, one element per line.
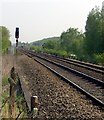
<point>34,106</point>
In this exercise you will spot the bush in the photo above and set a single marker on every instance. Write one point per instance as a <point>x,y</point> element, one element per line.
<point>36,48</point>
<point>99,58</point>
<point>62,53</point>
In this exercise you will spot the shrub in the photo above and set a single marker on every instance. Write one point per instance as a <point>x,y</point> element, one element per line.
<point>99,58</point>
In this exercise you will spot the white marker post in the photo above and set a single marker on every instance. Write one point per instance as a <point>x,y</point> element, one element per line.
<point>34,106</point>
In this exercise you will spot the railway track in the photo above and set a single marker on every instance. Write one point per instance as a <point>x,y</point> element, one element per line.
<point>91,66</point>
<point>90,86</point>
<point>87,68</point>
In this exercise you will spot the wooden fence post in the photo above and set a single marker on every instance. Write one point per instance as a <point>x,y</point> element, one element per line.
<point>12,81</point>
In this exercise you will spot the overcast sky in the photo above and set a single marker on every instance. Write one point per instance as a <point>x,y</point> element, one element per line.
<point>38,19</point>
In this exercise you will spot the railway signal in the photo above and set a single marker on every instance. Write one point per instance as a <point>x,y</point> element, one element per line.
<point>17,35</point>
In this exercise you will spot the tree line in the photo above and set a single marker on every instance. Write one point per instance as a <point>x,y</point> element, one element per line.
<point>87,46</point>
<point>5,39</point>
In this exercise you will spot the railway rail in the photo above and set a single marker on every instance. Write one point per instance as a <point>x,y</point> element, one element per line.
<point>95,67</point>
<point>87,68</point>
<point>90,86</point>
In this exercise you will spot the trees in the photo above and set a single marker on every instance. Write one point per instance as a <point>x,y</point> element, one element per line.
<point>88,46</point>
<point>50,44</point>
<point>102,28</point>
<point>5,35</point>
<point>94,32</point>
<point>94,42</point>
<point>72,40</point>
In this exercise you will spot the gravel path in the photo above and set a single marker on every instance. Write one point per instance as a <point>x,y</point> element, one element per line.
<point>56,98</point>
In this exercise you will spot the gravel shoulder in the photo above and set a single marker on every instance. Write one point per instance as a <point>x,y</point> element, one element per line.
<point>57,99</point>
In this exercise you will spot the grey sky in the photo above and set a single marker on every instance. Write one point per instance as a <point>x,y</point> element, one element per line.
<point>38,19</point>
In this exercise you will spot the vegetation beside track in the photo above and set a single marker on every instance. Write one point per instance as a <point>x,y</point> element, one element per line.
<point>5,42</point>
<point>20,104</point>
<point>87,46</point>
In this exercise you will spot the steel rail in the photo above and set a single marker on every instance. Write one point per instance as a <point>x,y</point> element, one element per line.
<point>96,68</point>
<point>88,64</point>
<point>80,62</point>
<point>73,71</point>
<point>84,65</point>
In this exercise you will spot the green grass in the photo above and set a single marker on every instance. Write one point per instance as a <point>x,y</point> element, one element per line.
<point>20,104</point>
<point>5,95</point>
<point>5,81</point>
